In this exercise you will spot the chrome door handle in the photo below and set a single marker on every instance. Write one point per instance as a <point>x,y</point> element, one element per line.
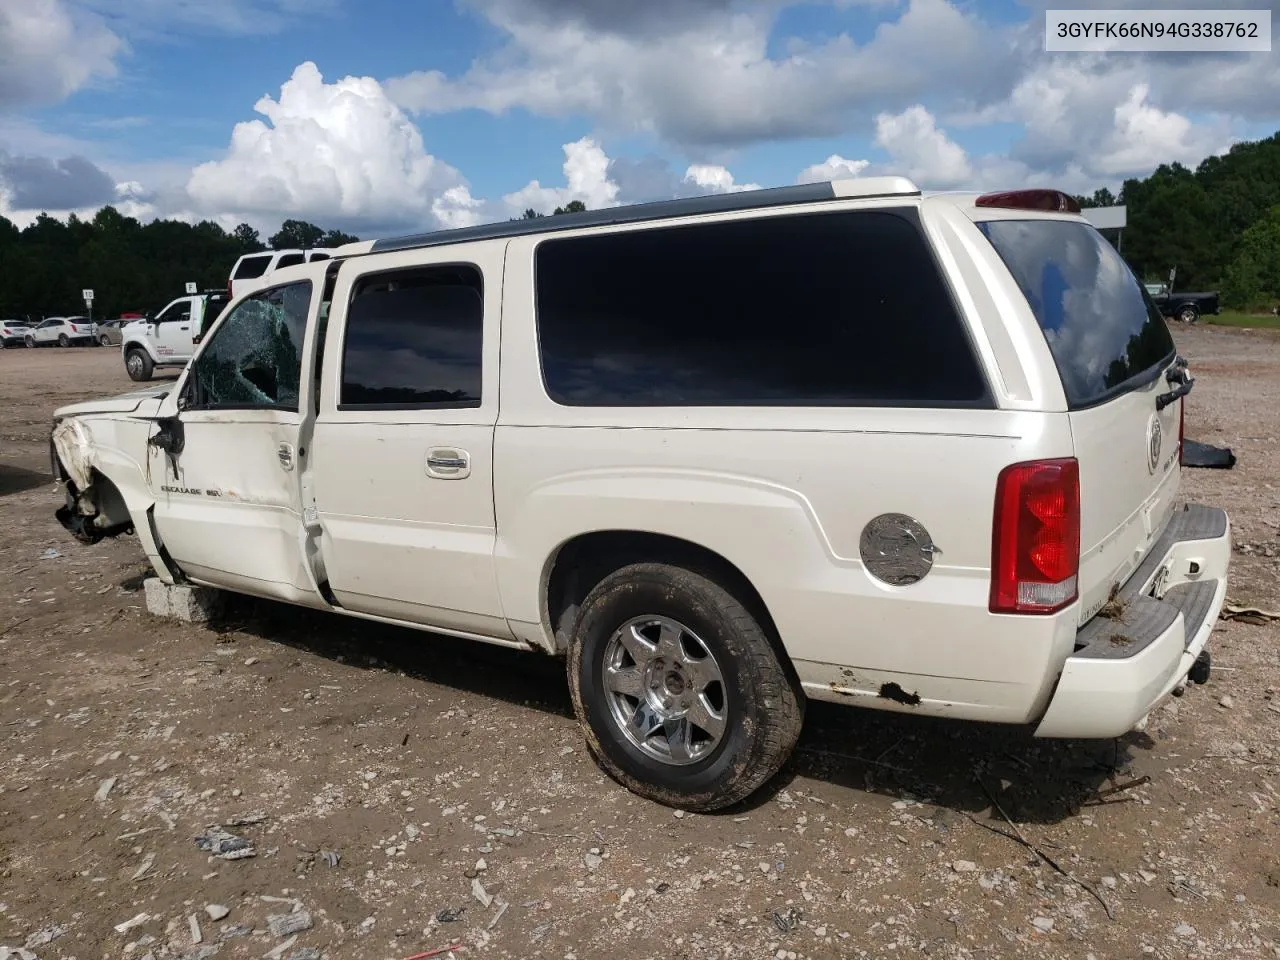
<point>448,463</point>
<point>285,454</point>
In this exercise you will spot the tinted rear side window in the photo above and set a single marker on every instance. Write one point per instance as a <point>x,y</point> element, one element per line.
<point>414,340</point>
<point>290,260</point>
<point>1102,328</point>
<point>252,267</point>
<point>812,310</point>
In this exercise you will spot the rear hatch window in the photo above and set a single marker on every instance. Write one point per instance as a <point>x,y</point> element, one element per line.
<point>1110,346</point>
<point>251,268</point>
<point>1105,334</point>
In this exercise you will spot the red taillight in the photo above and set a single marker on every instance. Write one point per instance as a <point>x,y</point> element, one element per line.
<point>1053,201</point>
<point>1035,543</point>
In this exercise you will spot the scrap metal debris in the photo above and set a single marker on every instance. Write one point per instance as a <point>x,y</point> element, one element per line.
<point>248,820</point>
<point>1195,454</point>
<point>450,915</point>
<point>224,845</point>
<point>1255,615</point>
<point>786,922</point>
<point>284,924</point>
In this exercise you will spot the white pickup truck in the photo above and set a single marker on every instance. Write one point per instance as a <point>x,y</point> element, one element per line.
<point>169,338</point>
<point>838,442</point>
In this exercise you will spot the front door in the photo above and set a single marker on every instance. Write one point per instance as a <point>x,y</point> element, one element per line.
<point>227,503</point>
<point>173,333</point>
<point>403,464</point>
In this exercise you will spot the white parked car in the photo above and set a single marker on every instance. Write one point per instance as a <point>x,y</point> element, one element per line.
<point>169,338</point>
<point>13,333</point>
<point>252,270</point>
<point>837,442</point>
<point>62,332</point>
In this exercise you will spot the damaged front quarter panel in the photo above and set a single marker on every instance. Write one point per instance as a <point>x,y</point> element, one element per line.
<point>94,508</point>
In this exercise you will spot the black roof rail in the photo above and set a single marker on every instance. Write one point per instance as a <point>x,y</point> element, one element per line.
<point>659,210</point>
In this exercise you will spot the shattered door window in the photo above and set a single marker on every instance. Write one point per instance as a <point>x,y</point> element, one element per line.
<point>255,357</point>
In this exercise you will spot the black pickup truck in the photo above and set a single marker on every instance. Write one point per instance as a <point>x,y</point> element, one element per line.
<point>1186,307</point>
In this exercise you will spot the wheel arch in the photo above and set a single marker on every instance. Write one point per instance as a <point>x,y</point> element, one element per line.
<point>128,345</point>
<point>582,561</point>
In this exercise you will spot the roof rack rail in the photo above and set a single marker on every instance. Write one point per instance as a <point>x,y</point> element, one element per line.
<point>850,188</point>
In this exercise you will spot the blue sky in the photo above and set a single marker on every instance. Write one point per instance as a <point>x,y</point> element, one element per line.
<point>385,114</point>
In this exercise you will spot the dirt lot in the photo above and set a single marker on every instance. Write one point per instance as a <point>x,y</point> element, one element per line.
<point>437,770</point>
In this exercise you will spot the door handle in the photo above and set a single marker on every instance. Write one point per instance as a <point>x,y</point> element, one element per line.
<point>284,452</point>
<point>448,463</point>
<point>184,328</point>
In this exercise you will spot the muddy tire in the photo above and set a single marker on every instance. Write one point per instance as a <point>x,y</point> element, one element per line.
<point>138,365</point>
<point>681,695</point>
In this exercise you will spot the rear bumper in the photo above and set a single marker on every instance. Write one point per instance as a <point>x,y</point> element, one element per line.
<point>1143,646</point>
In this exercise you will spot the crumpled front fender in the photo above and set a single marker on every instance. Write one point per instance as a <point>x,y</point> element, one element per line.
<point>94,508</point>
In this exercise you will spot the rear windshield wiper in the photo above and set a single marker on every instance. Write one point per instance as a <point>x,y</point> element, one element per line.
<point>1181,381</point>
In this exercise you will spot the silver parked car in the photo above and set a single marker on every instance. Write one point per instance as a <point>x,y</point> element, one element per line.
<point>109,332</point>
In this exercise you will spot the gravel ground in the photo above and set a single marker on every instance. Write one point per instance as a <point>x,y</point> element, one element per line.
<point>402,793</point>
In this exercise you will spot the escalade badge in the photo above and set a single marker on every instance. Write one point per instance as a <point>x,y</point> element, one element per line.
<point>1154,431</point>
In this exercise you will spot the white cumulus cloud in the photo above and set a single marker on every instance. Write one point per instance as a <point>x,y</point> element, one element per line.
<point>707,77</point>
<point>49,49</point>
<point>920,150</point>
<point>587,180</point>
<point>713,178</point>
<point>339,153</point>
<point>835,167</point>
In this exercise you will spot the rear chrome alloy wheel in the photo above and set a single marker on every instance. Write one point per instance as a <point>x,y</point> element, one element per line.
<point>133,363</point>
<point>665,691</point>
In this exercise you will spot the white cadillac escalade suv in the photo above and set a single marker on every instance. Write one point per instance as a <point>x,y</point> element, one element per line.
<point>839,442</point>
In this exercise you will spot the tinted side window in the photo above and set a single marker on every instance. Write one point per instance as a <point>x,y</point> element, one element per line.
<point>254,359</point>
<point>1100,324</point>
<point>252,267</point>
<point>810,310</point>
<point>319,256</point>
<point>290,260</point>
<point>414,339</point>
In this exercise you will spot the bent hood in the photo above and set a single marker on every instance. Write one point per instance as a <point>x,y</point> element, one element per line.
<point>124,403</point>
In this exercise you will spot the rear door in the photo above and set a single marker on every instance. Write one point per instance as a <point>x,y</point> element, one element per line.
<point>1112,349</point>
<point>402,468</point>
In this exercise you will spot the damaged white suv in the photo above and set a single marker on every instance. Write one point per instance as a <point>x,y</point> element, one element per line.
<point>839,442</point>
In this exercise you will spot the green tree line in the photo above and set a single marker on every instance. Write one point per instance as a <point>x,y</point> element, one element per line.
<point>131,267</point>
<point>1218,224</point>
